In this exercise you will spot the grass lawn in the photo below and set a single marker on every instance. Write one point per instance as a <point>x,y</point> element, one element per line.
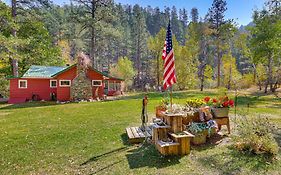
<point>89,138</point>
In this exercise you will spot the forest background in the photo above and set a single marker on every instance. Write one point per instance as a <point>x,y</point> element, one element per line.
<point>127,41</point>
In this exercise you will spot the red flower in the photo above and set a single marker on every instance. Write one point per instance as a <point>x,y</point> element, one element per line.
<point>225,104</point>
<point>215,100</point>
<point>207,99</point>
<point>231,103</point>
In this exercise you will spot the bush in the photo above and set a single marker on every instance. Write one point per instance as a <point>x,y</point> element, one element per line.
<point>254,135</point>
<point>4,86</point>
<point>246,81</point>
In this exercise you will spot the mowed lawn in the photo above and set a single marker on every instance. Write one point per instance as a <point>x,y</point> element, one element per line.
<point>89,138</point>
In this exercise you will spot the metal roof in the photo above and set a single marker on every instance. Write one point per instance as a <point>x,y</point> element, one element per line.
<point>52,71</point>
<point>42,71</point>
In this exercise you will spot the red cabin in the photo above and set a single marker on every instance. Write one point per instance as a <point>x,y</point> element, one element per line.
<point>56,83</point>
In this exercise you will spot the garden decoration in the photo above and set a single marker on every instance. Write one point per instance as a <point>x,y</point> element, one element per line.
<point>142,133</point>
<point>220,107</point>
<point>162,107</point>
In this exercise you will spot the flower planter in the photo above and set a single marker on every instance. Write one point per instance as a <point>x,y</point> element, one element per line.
<point>159,111</point>
<point>200,138</point>
<point>220,112</point>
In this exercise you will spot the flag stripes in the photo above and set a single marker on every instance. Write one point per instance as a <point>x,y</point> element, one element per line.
<point>169,61</point>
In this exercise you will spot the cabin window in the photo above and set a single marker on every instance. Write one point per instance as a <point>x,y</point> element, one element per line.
<point>53,83</point>
<point>23,84</point>
<point>96,83</point>
<point>65,83</point>
<point>118,86</point>
<point>111,86</point>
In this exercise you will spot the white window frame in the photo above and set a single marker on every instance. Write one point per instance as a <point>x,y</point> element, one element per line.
<point>25,84</point>
<point>98,81</point>
<point>51,84</point>
<point>65,85</point>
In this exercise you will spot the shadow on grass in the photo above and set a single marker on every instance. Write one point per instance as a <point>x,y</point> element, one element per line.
<point>110,153</point>
<point>254,100</point>
<point>148,156</point>
<point>233,161</point>
<point>125,139</point>
<point>28,105</point>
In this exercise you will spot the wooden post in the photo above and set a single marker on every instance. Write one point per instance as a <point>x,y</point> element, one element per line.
<point>171,97</point>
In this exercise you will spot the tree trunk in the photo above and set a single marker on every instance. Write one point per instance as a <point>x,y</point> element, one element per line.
<point>202,83</point>
<point>158,71</point>
<point>229,78</point>
<point>219,63</point>
<point>92,44</point>
<point>13,61</point>
<point>270,80</point>
<point>138,60</point>
<point>265,87</point>
<point>14,15</point>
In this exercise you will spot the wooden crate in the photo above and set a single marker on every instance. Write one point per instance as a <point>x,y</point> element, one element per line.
<point>175,121</point>
<point>159,132</point>
<point>184,142</point>
<point>167,148</point>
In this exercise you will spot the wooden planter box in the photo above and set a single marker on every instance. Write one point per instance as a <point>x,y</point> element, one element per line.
<point>159,132</point>
<point>175,121</point>
<point>220,112</point>
<point>167,148</point>
<point>200,138</point>
<point>184,142</point>
<point>191,118</point>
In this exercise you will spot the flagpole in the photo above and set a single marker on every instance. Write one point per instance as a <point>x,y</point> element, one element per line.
<point>171,97</point>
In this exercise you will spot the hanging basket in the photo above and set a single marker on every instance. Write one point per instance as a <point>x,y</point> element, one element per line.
<point>220,112</point>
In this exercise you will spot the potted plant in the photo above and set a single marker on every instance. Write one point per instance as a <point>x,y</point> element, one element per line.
<point>162,107</point>
<point>220,107</point>
<point>192,110</point>
<point>200,131</point>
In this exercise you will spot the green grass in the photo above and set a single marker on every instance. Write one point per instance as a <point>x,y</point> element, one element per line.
<point>89,138</point>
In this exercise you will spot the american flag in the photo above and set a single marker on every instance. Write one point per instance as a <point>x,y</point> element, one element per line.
<point>169,61</point>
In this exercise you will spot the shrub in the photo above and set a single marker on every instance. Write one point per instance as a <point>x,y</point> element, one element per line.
<point>4,86</point>
<point>254,134</point>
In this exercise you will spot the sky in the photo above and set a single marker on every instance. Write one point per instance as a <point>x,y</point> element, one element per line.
<point>239,10</point>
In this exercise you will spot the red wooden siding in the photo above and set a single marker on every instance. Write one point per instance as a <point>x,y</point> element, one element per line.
<point>42,88</point>
<point>93,75</point>
<point>39,87</point>
<point>63,93</point>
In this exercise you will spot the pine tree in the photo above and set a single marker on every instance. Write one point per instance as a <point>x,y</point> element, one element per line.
<point>216,19</point>
<point>139,35</point>
<point>194,15</point>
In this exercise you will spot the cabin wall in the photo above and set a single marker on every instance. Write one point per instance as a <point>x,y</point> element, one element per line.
<point>39,87</point>
<point>93,75</point>
<point>63,93</point>
<point>42,87</point>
